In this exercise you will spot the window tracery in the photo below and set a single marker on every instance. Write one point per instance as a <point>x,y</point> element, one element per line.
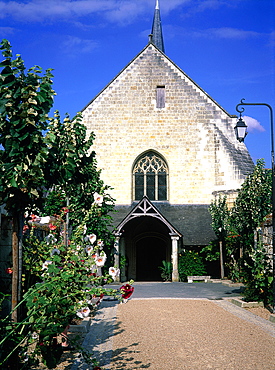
<point>150,174</point>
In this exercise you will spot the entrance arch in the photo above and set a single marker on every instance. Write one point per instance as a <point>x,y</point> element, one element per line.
<point>145,236</point>
<point>150,252</point>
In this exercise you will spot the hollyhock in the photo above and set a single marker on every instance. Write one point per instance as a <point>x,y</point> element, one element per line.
<point>45,220</point>
<point>55,251</point>
<point>100,243</point>
<point>50,239</point>
<point>101,259</point>
<point>34,218</point>
<point>91,238</point>
<point>89,249</point>
<point>25,228</point>
<point>83,312</point>
<point>114,272</point>
<point>126,291</point>
<point>98,199</point>
<point>65,210</point>
<point>52,227</point>
<point>46,264</point>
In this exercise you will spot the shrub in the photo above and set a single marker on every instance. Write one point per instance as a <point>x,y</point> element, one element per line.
<point>166,271</point>
<point>190,264</point>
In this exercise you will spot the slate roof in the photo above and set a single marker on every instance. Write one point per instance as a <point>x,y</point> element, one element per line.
<point>157,37</point>
<point>192,221</point>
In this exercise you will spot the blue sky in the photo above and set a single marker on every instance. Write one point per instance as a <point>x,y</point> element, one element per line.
<point>225,46</point>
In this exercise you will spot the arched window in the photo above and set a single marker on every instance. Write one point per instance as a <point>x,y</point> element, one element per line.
<point>150,174</point>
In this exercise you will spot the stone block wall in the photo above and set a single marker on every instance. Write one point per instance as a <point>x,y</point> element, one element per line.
<point>192,132</point>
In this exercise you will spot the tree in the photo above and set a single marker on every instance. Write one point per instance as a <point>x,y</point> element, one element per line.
<point>253,204</point>
<point>25,100</point>
<point>247,261</point>
<point>220,222</point>
<point>71,170</point>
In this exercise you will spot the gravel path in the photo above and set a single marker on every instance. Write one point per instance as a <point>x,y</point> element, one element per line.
<point>176,334</point>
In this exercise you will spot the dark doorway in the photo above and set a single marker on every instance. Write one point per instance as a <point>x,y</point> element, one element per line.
<point>151,251</point>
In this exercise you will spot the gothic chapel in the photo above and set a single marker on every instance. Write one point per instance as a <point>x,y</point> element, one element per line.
<point>168,149</point>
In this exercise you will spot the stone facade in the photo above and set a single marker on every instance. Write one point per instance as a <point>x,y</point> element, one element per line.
<point>192,132</point>
<point>152,105</point>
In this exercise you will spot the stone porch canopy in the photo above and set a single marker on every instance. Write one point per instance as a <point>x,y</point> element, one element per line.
<point>145,208</point>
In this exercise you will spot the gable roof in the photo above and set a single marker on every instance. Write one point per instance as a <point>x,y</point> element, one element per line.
<point>146,208</point>
<point>145,49</point>
<point>192,221</point>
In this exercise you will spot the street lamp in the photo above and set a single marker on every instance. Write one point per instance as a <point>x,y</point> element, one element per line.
<point>241,133</point>
<point>240,129</point>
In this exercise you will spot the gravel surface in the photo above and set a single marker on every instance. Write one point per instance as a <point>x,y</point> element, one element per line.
<point>177,334</point>
<point>188,334</point>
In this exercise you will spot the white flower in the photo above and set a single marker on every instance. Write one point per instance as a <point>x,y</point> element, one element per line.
<point>114,272</point>
<point>101,259</point>
<point>91,238</point>
<point>35,335</point>
<point>46,264</point>
<point>89,249</point>
<point>83,312</point>
<point>50,239</point>
<point>45,220</point>
<point>55,251</point>
<point>100,243</point>
<point>98,199</point>
<point>84,229</point>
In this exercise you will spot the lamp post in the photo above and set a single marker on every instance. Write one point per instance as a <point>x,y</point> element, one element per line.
<point>241,133</point>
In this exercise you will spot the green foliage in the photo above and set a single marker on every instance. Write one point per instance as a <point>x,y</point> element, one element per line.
<point>258,277</point>
<point>73,178</point>
<point>190,264</point>
<point>166,270</point>
<point>25,100</point>
<point>59,278</point>
<point>253,203</point>
<point>220,217</point>
<point>243,262</point>
<point>211,251</point>
<point>66,281</point>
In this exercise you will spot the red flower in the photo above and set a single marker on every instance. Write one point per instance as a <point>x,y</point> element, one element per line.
<point>65,210</point>
<point>126,290</point>
<point>52,227</point>
<point>9,270</point>
<point>25,228</point>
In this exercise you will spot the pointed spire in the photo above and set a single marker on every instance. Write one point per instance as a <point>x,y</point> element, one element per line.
<point>157,38</point>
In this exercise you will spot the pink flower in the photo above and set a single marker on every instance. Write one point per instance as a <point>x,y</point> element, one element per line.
<point>126,291</point>
<point>34,218</point>
<point>9,270</point>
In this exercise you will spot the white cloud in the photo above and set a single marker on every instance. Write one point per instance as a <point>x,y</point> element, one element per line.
<point>113,10</point>
<point>253,124</point>
<point>39,10</point>
<point>74,45</point>
<point>4,31</point>
<point>227,33</point>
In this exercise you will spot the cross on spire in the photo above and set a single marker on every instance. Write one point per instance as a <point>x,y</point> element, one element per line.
<point>157,38</point>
